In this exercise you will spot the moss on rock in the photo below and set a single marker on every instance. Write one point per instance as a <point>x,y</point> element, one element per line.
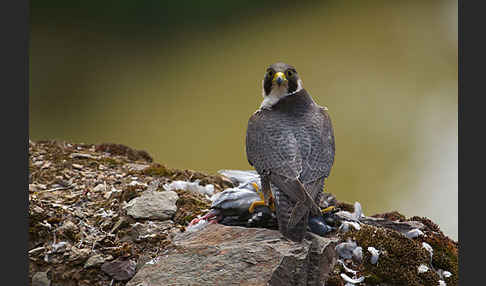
<point>399,259</point>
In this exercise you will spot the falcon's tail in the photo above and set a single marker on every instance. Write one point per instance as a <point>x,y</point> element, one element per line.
<point>295,203</point>
<point>285,212</point>
<point>302,200</point>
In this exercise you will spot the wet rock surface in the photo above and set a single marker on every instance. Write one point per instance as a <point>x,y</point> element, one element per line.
<point>88,225</point>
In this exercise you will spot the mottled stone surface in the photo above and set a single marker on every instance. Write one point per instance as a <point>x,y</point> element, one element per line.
<point>119,269</point>
<point>223,255</point>
<point>40,279</point>
<point>153,205</point>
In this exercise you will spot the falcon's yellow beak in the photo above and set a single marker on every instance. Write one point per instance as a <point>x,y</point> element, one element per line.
<point>279,77</point>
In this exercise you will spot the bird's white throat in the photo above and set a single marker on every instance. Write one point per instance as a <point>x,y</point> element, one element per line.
<point>277,94</point>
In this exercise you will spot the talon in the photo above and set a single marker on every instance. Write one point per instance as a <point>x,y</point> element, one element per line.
<point>255,185</point>
<point>271,200</point>
<point>260,193</point>
<point>254,204</point>
<point>328,209</point>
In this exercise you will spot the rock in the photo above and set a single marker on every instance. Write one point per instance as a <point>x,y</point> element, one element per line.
<point>82,156</point>
<point>150,230</point>
<point>78,256</point>
<point>68,229</point>
<point>71,221</point>
<point>94,260</point>
<point>224,255</point>
<point>136,167</point>
<point>77,166</point>
<point>40,279</point>
<point>99,188</point>
<point>119,269</point>
<point>153,205</point>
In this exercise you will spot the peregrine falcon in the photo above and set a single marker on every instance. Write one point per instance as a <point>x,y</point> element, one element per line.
<point>290,143</point>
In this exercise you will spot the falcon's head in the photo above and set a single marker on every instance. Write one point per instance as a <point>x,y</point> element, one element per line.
<point>280,81</point>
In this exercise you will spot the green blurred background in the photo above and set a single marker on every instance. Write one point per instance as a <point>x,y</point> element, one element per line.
<point>180,79</point>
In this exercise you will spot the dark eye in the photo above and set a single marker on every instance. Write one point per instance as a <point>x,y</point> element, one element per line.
<point>270,73</point>
<point>289,73</point>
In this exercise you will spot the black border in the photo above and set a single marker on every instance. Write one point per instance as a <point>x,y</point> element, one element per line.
<point>471,124</point>
<point>15,31</point>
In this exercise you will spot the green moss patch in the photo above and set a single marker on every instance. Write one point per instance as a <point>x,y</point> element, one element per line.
<point>399,259</point>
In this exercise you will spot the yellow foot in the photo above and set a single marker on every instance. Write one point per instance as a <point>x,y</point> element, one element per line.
<point>328,209</point>
<point>253,205</point>
<point>260,193</point>
<point>271,203</point>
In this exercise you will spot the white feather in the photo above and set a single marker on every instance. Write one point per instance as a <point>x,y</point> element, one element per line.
<point>277,94</point>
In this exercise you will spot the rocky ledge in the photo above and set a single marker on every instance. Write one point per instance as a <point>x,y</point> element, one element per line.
<point>107,215</point>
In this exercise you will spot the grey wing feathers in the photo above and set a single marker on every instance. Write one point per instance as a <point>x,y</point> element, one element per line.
<point>305,152</point>
<point>265,148</point>
<point>326,158</point>
<point>254,140</point>
<point>319,162</point>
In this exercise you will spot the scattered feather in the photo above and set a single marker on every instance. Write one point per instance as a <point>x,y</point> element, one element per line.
<point>422,268</point>
<point>194,187</point>
<point>428,248</point>
<point>241,177</point>
<point>358,210</point>
<point>358,254</point>
<point>414,233</point>
<point>352,280</point>
<point>375,254</point>
<point>344,227</point>
<point>443,274</point>
<point>137,183</point>
<point>59,247</point>
<point>345,249</point>
<point>347,269</point>
<point>153,261</point>
<point>199,225</point>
